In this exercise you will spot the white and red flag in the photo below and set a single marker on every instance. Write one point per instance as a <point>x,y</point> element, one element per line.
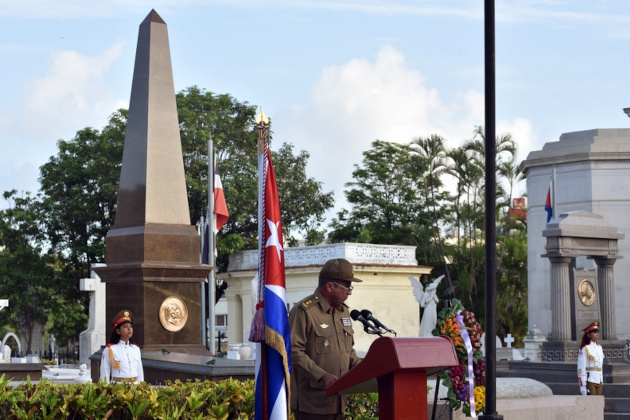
<point>220,206</point>
<point>220,216</point>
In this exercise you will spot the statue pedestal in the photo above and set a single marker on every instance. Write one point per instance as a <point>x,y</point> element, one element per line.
<point>614,350</point>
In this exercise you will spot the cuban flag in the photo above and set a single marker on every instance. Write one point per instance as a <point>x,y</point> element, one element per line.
<point>273,363</point>
<point>548,204</point>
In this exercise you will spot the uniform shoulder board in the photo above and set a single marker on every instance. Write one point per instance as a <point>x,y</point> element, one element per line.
<point>109,345</point>
<point>309,302</point>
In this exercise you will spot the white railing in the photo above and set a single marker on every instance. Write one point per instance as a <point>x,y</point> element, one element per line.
<point>317,255</point>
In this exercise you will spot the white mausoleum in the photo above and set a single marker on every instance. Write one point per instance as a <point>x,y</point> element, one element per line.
<point>592,174</point>
<point>386,290</point>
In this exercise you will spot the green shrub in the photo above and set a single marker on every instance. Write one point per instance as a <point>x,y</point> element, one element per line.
<point>223,400</point>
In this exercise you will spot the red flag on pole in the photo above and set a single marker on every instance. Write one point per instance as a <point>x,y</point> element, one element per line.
<point>220,206</point>
<point>221,216</point>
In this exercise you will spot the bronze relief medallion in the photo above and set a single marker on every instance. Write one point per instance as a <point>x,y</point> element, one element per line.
<point>173,314</point>
<point>586,292</point>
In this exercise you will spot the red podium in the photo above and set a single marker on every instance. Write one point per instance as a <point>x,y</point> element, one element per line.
<point>398,368</point>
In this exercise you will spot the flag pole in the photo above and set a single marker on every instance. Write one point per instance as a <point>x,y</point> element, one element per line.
<point>211,260</point>
<point>553,191</point>
<point>204,336</point>
<point>270,326</point>
<point>262,122</point>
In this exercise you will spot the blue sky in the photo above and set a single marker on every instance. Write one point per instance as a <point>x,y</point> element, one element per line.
<point>333,75</point>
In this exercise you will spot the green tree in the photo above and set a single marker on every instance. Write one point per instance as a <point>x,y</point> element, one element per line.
<point>510,172</point>
<point>80,184</point>
<point>231,125</point>
<point>386,204</point>
<point>430,158</point>
<point>79,187</point>
<point>397,196</point>
<point>302,202</point>
<point>512,282</point>
<point>28,277</point>
<point>468,256</point>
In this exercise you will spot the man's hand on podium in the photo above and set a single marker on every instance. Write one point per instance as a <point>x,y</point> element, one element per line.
<point>327,379</point>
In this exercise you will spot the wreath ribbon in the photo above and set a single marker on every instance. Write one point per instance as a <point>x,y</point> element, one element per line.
<point>471,372</point>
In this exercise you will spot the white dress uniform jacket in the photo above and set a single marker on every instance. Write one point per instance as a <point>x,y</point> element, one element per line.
<point>590,364</point>
<point>122,362</point>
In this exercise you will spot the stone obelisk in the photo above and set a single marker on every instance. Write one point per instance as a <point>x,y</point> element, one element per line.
<point>152,251</point>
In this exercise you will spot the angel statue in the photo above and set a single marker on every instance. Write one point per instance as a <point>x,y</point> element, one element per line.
<point>427,299</point>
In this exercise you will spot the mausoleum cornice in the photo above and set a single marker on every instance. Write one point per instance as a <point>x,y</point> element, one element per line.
<point>358,254</point>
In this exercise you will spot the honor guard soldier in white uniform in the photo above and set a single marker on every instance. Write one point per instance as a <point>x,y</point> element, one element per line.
<point>591,362</point>
<point>121,360</point>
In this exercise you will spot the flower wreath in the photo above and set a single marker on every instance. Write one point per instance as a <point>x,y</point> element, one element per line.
<point>467,343</point>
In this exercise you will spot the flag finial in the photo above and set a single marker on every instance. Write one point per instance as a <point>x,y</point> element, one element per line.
<point>262,118</point>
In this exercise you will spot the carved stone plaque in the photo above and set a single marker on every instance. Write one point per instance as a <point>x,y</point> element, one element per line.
<point>586,292</point>
<point>585,300</point>
<point>173,314</point>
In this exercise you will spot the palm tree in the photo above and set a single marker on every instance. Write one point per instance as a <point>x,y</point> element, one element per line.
<point>504,145</point>
<point>431,160</point>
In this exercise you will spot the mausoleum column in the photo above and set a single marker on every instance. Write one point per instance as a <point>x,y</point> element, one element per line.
<point>606,286</point>
<point>235,319</point>
<point>560,299</point>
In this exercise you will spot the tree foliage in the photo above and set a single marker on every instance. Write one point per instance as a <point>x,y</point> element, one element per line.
<point>231,126</point>
<point>398,196</point>
<point>77,204</point>
<point>79,186</point>
<point>29,276</point>
<point>385,202</point>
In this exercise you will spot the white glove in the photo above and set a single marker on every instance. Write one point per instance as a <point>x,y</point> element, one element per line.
<point>583,390</point>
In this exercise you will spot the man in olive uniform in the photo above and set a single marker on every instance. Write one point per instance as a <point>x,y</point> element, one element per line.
<point>322,344</point>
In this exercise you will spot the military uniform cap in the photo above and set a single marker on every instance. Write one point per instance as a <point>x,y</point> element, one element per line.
<point>123,316</point>
<point>594,326</point>
<point>338,269</point>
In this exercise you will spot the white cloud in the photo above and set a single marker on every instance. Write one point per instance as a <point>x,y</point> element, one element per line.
<point>358,102</point>
<point>21,177</point>
<point>522,132</point>
<point>72,93</point>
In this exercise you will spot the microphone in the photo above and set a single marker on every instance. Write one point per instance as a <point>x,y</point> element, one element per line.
<point>367,326</point>
<point>368,315</point>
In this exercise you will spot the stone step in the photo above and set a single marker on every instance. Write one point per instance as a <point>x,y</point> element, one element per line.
<point>561,372</point>
<point>617,405</point>
<point>610,390</point>
<point>616,416</point>
<point>561,377</point>
<point>544,376</point>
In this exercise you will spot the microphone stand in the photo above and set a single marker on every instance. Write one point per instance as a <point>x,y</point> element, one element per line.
<point>373,332</point>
